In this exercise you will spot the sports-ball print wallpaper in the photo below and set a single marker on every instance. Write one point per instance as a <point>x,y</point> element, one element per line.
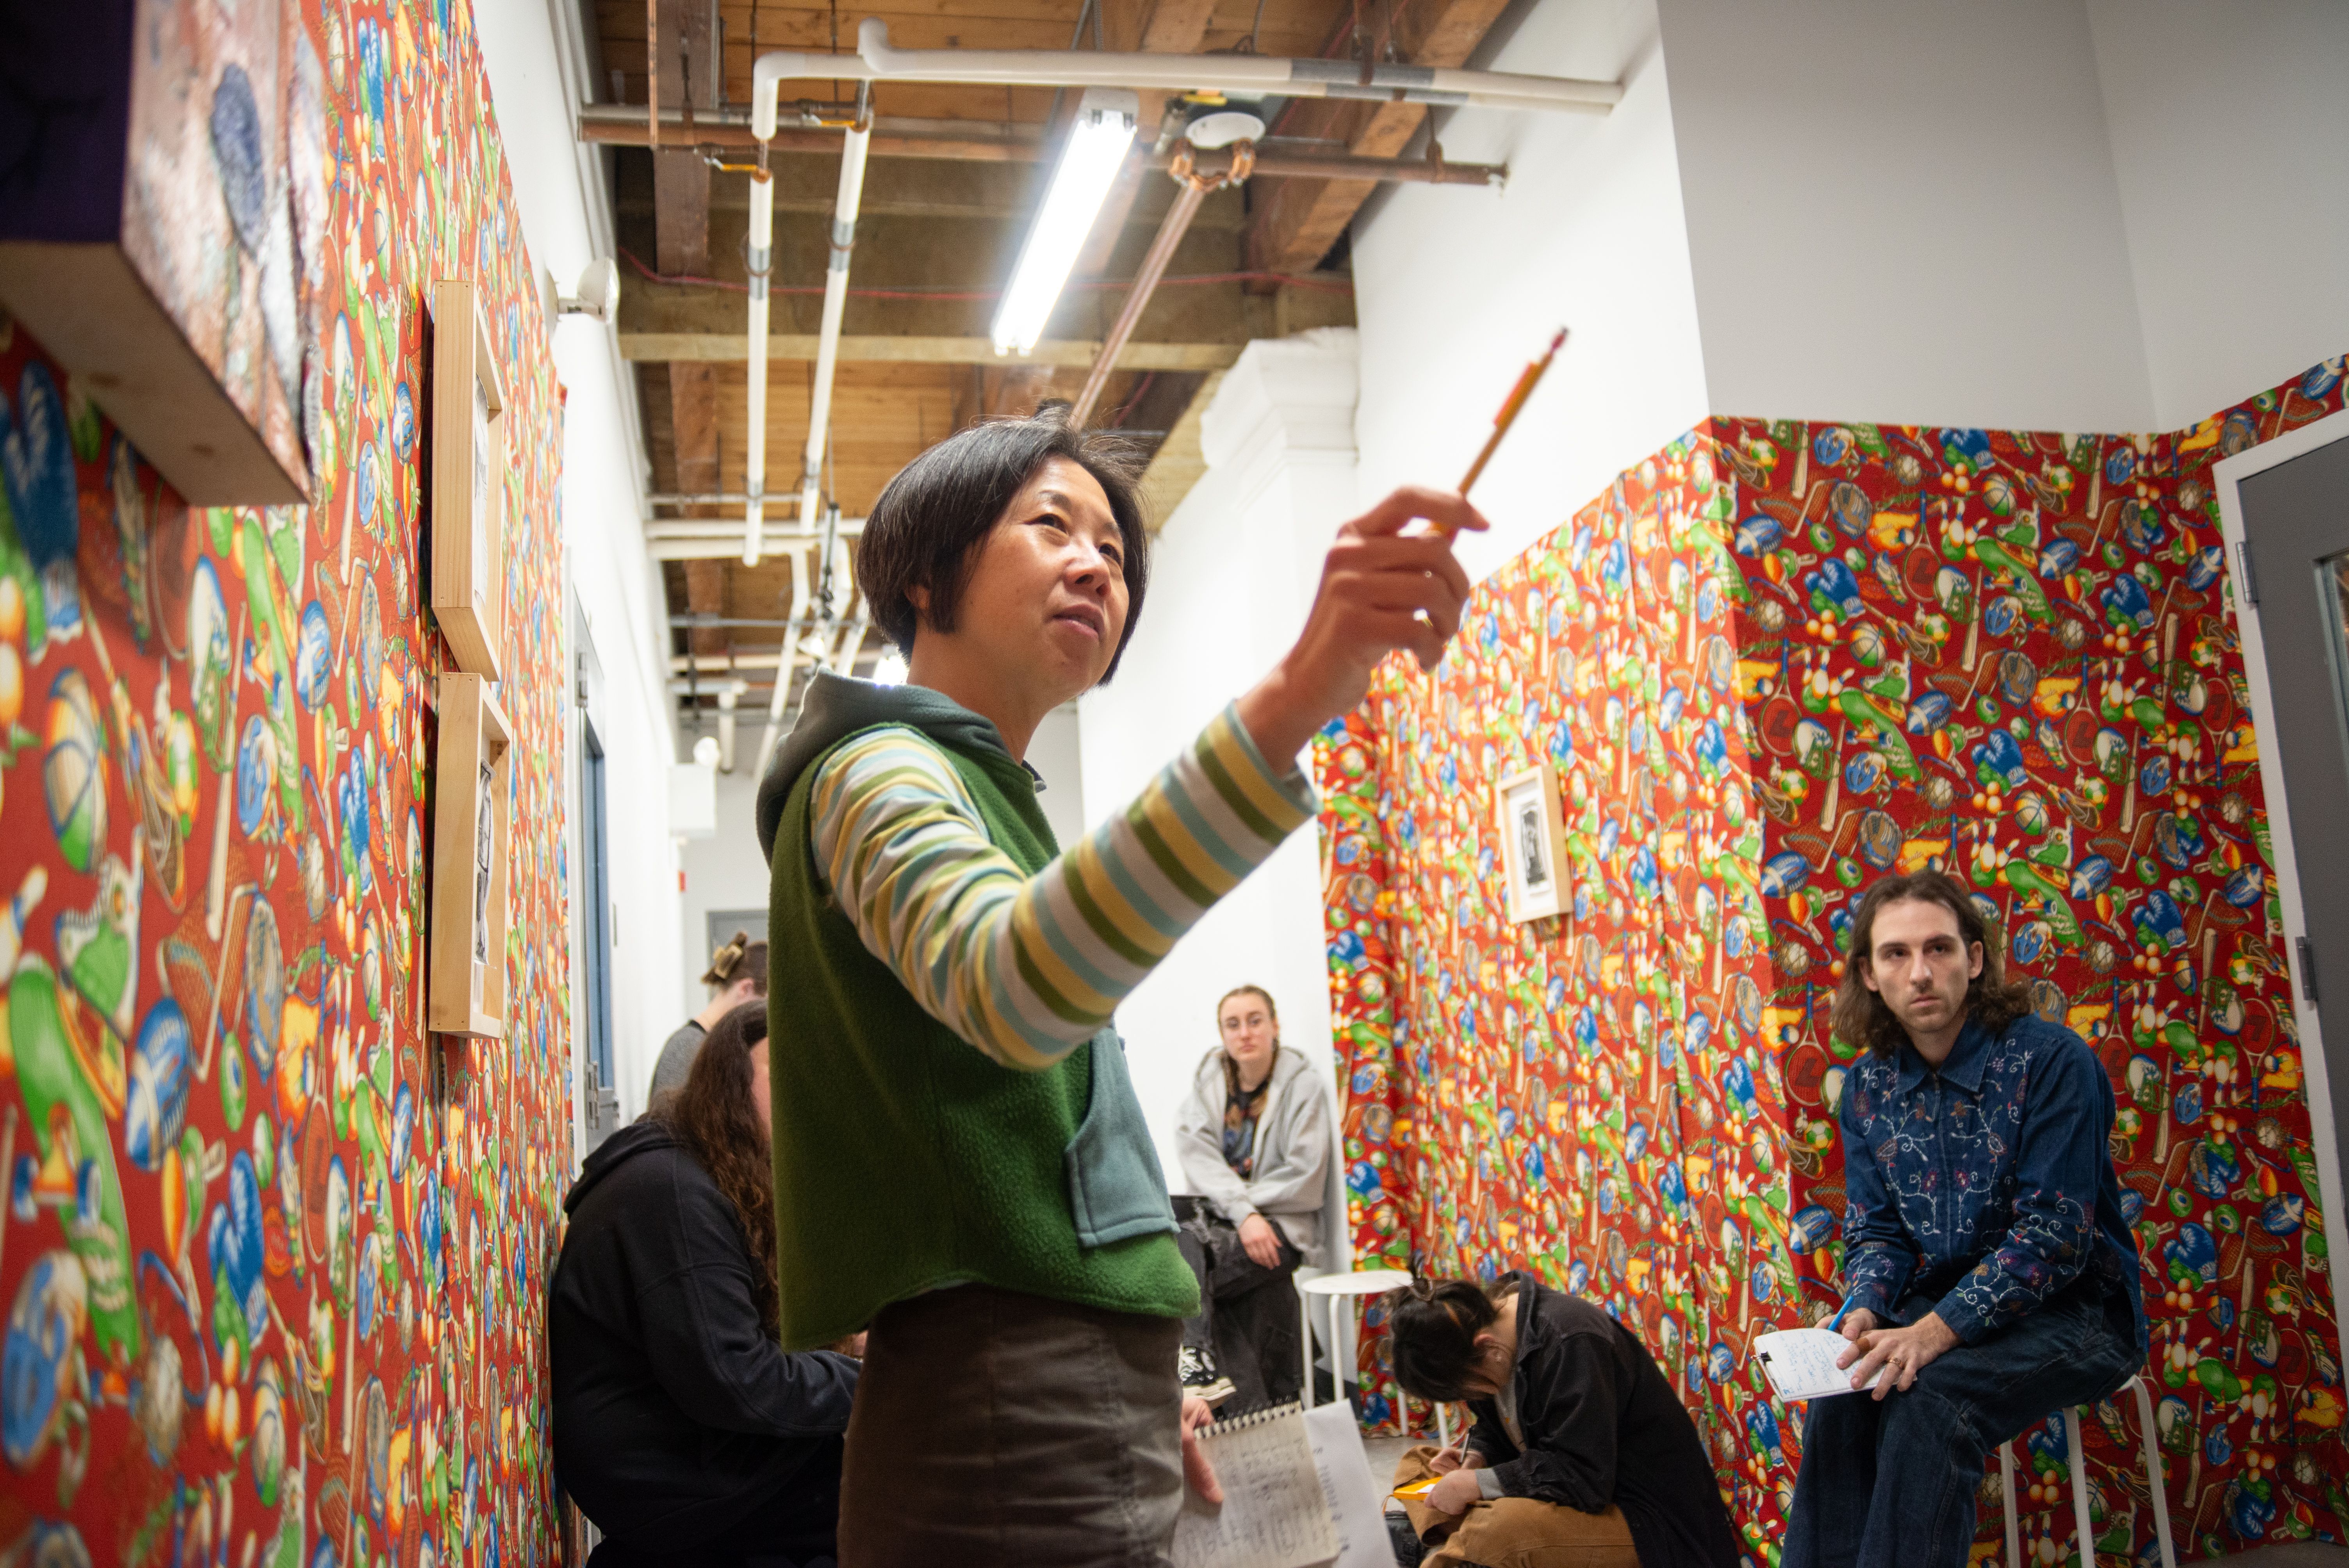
<point>1772,664</point>
<point>271,1255</point>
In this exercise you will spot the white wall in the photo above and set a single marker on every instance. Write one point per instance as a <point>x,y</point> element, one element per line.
<point>1905,212</point>
<point>1056,751</point>
<point>1232,576</point>
<point>535,59</point>
<point>1456,287</point>
<point>2229,145</point>
<point>721,872</point>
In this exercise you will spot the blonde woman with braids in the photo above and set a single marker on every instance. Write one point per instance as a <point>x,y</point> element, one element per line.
<point>1254,1139</point>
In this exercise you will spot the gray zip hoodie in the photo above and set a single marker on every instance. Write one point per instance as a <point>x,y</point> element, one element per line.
<point>1293,1152</point>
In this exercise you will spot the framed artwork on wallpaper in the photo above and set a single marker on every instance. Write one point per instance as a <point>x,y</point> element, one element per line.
<point>1533,843</point>
<point>469,461</point>
<point>166,242</point>
<point>466,992</point>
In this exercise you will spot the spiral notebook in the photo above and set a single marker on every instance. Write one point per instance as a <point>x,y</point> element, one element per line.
<point>1801,1363</point>
<point>1291,1497</point>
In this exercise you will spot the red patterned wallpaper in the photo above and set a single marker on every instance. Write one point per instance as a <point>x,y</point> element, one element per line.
<point>272,1262</point>
<point>1773,663</point>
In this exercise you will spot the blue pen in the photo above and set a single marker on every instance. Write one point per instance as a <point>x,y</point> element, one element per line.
<point>1839,1312</point>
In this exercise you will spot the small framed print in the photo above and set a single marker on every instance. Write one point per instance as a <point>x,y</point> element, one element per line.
<point>469,460</point>
<point>1533,843</point>
<point>467,993</point>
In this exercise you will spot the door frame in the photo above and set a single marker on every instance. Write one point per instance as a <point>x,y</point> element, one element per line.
<point>2227,477</point>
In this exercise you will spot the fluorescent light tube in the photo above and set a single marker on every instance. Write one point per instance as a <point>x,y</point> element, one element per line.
<point>1095,150</point>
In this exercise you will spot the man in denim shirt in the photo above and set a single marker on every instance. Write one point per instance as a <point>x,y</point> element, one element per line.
<point>1994,1280</point>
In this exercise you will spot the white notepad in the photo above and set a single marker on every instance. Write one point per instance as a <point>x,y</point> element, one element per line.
<point>1274,1514</point>
<point>1801,1363</point>
<point>1356,1510</point>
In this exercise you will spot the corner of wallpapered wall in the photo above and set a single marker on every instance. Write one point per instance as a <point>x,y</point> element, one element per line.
<point>1775,661</point>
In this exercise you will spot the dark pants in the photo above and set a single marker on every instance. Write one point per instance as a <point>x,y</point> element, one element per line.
<point>996,1429</point>
<point>1247,1313</point>
<point>1894,1483</point>
<point>793,1528</point>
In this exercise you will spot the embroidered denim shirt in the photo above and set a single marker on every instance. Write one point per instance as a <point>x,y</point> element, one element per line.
<point>1988,1182</point>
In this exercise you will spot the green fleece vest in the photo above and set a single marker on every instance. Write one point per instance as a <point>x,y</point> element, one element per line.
<point>906,1159</point>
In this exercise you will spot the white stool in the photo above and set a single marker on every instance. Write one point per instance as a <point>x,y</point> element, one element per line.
<point>1330,1287</point>
<point>2075,1440</point>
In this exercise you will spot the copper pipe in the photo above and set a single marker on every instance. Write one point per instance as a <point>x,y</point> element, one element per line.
<point>1154,266</point>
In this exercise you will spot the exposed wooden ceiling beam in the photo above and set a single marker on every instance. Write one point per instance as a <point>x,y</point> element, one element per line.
<point>681,241</point>
<point>1201,327</point>
<point>1297,220</point>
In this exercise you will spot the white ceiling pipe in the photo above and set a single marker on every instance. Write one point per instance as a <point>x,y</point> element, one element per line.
<point>727,697</point>
<point>759,260</point>
<point>790,66</point>
<point>1223,73</point>
<point>851,643</point>
<point>789,658</point>
<point>852,152</point>
<point>661,527</point>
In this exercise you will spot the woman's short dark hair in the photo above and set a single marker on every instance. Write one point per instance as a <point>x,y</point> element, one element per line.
<point>1859,1015</point>
<point>1433,1325</point>
<point>925,528</point>
<point>714,1115</point>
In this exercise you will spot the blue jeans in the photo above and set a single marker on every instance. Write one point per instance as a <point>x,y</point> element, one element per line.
<point>1894,1483</point>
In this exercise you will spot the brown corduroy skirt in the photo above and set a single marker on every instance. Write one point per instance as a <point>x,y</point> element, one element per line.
<point>994,1428</point>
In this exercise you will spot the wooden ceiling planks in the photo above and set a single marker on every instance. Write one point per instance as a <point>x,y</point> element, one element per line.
<point>951,227</point>
<point>1288,28</point>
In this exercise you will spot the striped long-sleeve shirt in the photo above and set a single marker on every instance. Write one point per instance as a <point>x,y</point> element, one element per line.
<point>1027,969</point>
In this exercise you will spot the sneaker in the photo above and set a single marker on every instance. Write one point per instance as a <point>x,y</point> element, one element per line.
<point>1197,1368</point>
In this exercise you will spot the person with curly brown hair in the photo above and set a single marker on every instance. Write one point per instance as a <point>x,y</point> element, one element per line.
<point>1992,1270</point>
<point>682,1428</point>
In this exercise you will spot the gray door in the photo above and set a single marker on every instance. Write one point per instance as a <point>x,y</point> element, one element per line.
<point>2296,520</point>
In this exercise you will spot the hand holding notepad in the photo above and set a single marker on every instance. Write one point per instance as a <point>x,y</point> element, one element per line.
<point>1801,1363</point>
<point>1297,1494</point>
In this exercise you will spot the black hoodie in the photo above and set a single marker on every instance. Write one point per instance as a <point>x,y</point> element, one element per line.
<point>1602,1426</point>
<point>674,1415</point>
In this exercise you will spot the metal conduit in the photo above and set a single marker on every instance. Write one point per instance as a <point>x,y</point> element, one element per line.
<point>1268,75</point>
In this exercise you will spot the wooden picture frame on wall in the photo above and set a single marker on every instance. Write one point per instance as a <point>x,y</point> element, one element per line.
<point>1533,843</point>
<point>471,837</point>
<point>469,461</point>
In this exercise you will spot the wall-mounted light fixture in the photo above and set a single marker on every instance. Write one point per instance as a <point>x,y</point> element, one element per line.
<point>598,295</point>
<point>1098,140</point>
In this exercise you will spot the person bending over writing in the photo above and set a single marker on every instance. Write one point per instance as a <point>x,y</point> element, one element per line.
<point>1579,1446</point>
<point>1253,1137</point>
<point>680,1427</point>
<point>960,1161</point>
<point>1993,1277</point>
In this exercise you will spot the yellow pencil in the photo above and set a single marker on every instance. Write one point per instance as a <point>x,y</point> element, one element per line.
<point>1508,413</point>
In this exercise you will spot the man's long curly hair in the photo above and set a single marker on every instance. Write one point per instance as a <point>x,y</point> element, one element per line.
<point>1860,1016</point>
<point>713,1116</point>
